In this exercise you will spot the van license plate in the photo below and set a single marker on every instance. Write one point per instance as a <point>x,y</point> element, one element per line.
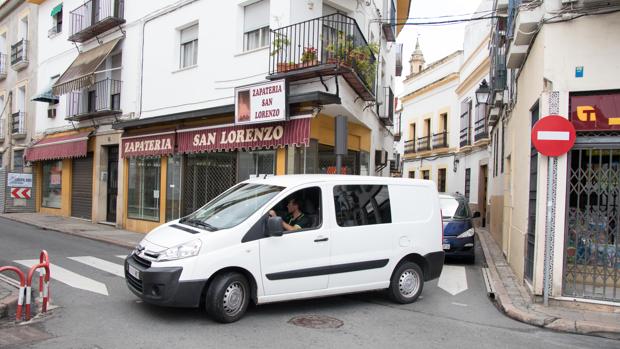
<point>134,272</point>
<point>445,247</point>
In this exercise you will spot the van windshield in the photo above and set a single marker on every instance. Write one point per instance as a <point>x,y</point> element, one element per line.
<point>453,208</point>
<point>232,207</point>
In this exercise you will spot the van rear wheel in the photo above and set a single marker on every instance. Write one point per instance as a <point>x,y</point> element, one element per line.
<point>406,283</point>
<point>227,297</point>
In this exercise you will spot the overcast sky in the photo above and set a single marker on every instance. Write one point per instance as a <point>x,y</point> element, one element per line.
<point>436,41</point>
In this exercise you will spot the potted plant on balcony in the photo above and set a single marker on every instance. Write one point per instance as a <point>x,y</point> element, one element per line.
<point>308,57</point>
<point>340,49</point>
<point>365,66</point>
<point>278,49</point>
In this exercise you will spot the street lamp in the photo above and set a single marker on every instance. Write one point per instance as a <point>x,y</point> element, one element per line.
<point>482,93</point>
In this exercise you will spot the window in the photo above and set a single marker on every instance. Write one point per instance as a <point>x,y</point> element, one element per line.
<point>502,153</point>
<point>309,201</point>
<point>465,136</point>
<point>52,184</point>
<point>467,181</point>
<point>362,205</point>
<point>253,163</point>
<point>426,174</point>
<point>411,174</point>
<point>173,188</point>
<point>143,193</point>
<point>441,180</point>
<point>256,25</point>
<point>18,160</point>
<point>56,20</point>
<point>189,46</point>
<point>495,151</point>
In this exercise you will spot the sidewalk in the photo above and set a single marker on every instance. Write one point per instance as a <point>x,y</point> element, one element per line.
<point>8,298</point>
<point>514,300</point>
<point>78,227</point>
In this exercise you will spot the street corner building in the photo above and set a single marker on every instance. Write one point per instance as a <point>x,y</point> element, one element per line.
<point>144,115</point>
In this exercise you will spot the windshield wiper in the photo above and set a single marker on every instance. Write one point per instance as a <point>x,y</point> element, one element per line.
<point>198,223</point>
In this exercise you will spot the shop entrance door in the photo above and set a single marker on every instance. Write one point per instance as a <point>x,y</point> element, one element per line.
<point>482,194</point>
<point>206,176</point>
<point>82,187</point>
<point>112,186</point>
<point>592,250</point>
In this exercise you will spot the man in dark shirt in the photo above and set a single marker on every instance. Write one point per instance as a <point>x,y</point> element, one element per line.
<point>295,219</point>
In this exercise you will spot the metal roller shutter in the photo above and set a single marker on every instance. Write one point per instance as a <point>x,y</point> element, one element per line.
<point>82,187</point>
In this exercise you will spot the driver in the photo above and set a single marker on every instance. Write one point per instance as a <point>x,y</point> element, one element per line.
<point>295,219</point>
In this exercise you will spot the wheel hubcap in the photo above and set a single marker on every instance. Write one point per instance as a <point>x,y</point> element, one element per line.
<point>408,283</point>
<point>234,298</point>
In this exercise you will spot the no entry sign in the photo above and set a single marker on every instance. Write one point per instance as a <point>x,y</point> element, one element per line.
<point>553,135</point>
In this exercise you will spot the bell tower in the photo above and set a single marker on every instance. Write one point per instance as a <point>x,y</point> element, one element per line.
<point>417,58</point>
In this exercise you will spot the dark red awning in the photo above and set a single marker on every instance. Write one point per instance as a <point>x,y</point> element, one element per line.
<point>155,144</point>
<point>295,132</point>
<point>52,148</point>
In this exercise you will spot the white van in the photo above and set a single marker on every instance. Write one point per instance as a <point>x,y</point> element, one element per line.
<point>339,234</point>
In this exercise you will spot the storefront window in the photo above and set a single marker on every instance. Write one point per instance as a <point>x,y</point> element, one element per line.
<point>302,160</point>
<point>52,184</point>
<point>173,188</point>
<point>327,161</point>
<point>253,163</point>
<point>143,193</point>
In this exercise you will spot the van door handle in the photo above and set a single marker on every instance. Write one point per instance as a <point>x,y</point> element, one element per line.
<point>321,239</point>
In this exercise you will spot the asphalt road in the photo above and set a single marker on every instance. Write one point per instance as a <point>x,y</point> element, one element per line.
<point>86,319</point>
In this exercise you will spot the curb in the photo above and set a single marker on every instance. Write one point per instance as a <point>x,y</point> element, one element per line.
<point>536,318</point>
<point>68,232</point>
<point>8,303</point>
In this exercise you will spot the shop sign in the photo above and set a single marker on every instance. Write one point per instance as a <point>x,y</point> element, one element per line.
<point>22,180</point>
<point>293,132</point>
<point>599,112</point>
<point>150,145</point>
<point>264,102</point>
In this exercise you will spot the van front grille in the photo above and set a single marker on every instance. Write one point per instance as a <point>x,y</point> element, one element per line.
<point>135,283</point>
<point>143,262</point>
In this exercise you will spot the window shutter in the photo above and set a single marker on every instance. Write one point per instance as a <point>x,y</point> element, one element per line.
<point>256,16</point>
<point>189,34</point>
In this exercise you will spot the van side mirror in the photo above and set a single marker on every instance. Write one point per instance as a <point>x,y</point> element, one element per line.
<point>476,215</point>
<point>274,226</point>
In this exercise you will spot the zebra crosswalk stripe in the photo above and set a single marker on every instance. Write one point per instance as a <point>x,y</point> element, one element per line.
<point>101,264</point>
<point>70,278</point>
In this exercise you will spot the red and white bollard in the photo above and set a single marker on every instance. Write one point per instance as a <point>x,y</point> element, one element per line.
<point>43,286</point>
<point>22,287</point>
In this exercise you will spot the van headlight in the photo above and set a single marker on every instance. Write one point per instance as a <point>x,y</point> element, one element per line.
<point>467,234</point>
<point>188,249</point>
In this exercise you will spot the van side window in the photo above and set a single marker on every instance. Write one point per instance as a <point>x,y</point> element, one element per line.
<point>308,201</point>
<point>362,205</point>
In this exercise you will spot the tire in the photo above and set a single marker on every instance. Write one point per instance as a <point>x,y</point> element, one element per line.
<point>406,283</point>
<point>227,297</point>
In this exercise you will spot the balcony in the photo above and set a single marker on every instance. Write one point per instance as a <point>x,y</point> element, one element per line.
<point>325,46</point>
<point>19,55</point>
<point>424,143</point>
<point>94,18</point>
<point>465,137</point>
<point>2,66</point>
<point>440,140</point>
<point>389,28</point>
<point>481,130</point>
<point>101,99</point>
<point>18,125</point>
<point>410,147</point>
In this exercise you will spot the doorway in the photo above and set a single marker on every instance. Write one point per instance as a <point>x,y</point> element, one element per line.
<point>112,185</point>
<point>482,194</point>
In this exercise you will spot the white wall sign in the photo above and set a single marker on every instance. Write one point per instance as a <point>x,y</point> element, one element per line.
<point>21,180</point>
<point>264,102</point>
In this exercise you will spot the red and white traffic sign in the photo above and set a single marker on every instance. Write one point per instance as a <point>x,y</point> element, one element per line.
<point>20,193</point>
<point>553,135</point>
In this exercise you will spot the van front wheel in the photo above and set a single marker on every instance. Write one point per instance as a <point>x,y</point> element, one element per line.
<point>227,297</point>
<point>407,283</point>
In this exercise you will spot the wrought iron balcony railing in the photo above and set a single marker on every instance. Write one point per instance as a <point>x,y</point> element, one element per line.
<point>481,129</point>
<point>18,123</point>
<point>19,54</point>
<point>95,17</point>
<point>410,147</point>
<point>440,140</point>
<point>328,45</point>
<point>465,137</point>
<point>424,143</point>
<point>102,98</point>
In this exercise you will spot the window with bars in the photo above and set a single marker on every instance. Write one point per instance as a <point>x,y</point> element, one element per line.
<point>189,47</point>
<point>411,174</point>
<point>426,174</point>
<point>256,25</point>
<point>467,182</point>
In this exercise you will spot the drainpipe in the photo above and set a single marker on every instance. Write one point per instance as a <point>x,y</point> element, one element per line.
<point>145,20</point>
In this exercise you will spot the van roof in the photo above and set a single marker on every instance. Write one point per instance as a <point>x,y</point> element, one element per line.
<point>294,180</point>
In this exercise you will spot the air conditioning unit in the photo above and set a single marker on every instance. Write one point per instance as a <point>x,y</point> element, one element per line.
<point>381,157</point>
<point>51,111</point>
